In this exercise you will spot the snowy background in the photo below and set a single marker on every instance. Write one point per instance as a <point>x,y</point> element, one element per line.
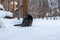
<point>40,29</point>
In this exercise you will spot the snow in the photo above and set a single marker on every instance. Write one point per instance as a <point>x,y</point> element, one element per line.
<point>5,13</point>
<point>40,30</point>
<point>1,6</point>
<point>14,3</point>
<point>1,24</point>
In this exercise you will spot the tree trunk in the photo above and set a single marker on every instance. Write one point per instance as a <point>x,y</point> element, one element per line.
<point>25,7</point>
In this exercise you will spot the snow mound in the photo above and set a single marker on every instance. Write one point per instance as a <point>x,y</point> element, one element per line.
<point>1,6</point>
<point>5,13</point>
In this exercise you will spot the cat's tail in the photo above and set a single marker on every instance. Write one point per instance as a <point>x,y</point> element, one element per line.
<point>17,24</point>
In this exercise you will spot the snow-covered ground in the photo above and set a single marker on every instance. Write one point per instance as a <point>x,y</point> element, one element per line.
<point>40,30</point>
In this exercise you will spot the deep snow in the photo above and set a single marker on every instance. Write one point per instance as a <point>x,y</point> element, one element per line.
<point>40,30</point>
